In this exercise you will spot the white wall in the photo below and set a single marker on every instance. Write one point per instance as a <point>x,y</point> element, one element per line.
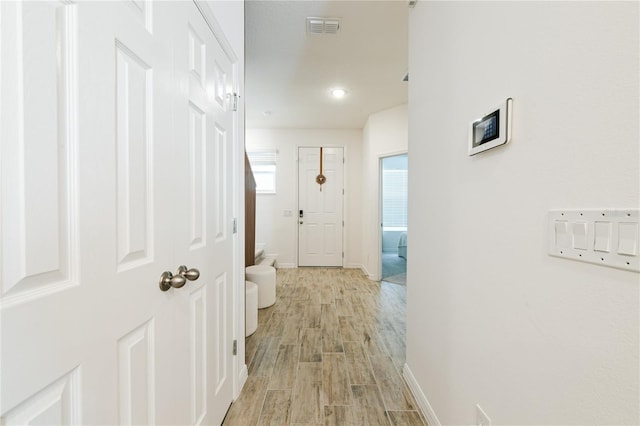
<point>280,233</point>
<point>384,134</point>
<point>492,319</point>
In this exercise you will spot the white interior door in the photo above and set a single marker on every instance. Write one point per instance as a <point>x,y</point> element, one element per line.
<point>93,207</point>
<point>320,207</point>
<point>204,117</point>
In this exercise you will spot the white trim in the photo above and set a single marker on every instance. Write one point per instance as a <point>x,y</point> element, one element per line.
<point>421,399</point>
<point>366,272</point>
<point>286,265</point>
<point>353,266</point>
<point>216,29</point>
<point>243,375</point>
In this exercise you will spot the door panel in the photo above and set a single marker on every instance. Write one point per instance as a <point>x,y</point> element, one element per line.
<point>134,127</point>
<point>37,167</point>
<point>321,227</point>
<point>57,404</point>
<point>197,188</point>
<point>205,84</point>
<point>113,170</point>
<point>136,372</point>
<point>198,331</point>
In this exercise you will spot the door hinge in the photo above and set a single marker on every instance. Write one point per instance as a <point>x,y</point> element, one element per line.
<point>343,255</point>
<point>342,191</point>
<point>235,347</point>
<point>343,223</point>
<point>235,225</point>
<point>235,101</point>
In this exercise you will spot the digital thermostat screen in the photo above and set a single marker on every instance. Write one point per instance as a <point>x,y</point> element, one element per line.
<point>486,129</point>
<point>492,130</point>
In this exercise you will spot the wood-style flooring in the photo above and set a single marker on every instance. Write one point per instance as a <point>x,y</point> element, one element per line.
<point>329,352</point>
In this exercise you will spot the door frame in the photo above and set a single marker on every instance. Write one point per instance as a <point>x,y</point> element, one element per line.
<point>240,371</point>
<point>379,223</point>
<point>344,197</point>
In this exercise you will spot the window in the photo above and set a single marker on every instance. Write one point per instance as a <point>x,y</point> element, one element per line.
<point>394,203</point>
<point>263,165</point>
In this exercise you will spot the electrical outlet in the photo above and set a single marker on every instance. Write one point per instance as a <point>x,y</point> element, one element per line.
<point>481,417</point>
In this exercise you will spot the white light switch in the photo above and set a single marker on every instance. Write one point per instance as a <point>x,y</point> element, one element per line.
<point>602,241</point>
<point>605,237</point>
<point>562,234</point>
<point>580,235</point>
<point>628,238</point>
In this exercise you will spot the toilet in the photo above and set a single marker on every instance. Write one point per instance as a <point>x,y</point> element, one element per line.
<point>265,278</point>
<point>250,308</point>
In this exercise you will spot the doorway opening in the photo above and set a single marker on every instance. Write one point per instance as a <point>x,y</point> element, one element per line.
<point>393,200</point>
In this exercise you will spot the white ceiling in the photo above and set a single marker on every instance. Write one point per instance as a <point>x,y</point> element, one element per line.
<point>290,72</point>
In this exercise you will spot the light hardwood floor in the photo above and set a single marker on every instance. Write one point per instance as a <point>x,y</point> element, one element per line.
<point>329,352</point>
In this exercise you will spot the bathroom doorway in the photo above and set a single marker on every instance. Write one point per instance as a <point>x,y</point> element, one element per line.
<point>393,200</point>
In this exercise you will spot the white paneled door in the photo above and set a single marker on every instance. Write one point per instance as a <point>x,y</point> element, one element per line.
<point>320,207</point>
<point>116,166</point>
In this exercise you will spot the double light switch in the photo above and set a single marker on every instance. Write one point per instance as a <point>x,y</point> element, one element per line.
<point>606,237</point>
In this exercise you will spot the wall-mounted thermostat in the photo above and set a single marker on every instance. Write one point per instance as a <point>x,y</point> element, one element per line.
<point>493,129</point>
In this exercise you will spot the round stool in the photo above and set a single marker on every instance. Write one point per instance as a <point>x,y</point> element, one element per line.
<point>250,308</point>
<point>265,278</point>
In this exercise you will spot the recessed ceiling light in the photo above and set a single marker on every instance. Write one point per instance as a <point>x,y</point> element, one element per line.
<point>338,93</point>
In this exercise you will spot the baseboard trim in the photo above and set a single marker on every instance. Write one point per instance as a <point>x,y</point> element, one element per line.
<point>352,266</point>
<point>242,378</point>
<point>365,271</point>
<point>286,265</point>
<point>420,397</point>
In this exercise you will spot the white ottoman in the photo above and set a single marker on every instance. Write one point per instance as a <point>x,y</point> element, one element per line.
<point>250,308</point>
<point>265,278</point>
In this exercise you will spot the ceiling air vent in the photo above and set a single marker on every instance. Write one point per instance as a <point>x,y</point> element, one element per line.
<point>323,25</point>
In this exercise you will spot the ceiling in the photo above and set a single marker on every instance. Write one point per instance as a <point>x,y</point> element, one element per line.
<point>289,72</point>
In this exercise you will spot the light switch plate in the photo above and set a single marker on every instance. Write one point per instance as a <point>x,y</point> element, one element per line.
<point>604,237</point>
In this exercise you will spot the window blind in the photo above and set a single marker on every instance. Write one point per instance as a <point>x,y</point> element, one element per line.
<point>263,165</point>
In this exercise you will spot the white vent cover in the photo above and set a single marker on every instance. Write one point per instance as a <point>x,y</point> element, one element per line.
<point>323,25</point>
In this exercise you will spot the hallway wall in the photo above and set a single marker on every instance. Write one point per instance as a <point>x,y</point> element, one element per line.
<point>492,319</point>
<point>384,134</point>
<point>280,233</point>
